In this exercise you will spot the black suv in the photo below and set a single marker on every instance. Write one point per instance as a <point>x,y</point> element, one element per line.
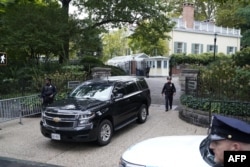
<point>97,108</point>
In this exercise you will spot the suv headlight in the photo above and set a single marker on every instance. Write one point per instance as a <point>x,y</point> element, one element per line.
<point>85,117</point>
<point>42,115</point>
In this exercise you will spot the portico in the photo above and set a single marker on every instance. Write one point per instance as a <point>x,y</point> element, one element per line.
<point>159,65</point>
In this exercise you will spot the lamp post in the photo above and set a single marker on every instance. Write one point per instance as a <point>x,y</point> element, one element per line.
<point>214,44</point>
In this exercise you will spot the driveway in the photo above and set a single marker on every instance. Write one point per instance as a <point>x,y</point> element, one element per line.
<point>26,142</point>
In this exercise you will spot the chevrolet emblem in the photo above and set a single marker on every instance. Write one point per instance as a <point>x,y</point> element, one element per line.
<point>56,119</point>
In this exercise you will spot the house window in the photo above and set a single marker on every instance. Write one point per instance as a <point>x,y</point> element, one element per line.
<point>197,48</point>
<point>158,64</point>
<point>153,64</point>
<point>150,64</point>
<point>165,64</point>
<point>231,49</point>
<point>180,47</point>
<point>210,48</point>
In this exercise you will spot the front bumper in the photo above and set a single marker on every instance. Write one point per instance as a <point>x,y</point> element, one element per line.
<point>77,134</point>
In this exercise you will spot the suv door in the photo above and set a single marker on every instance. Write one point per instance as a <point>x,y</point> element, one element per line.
<point>143,86</point>
<point>135,99</point>
<point>120,105</point>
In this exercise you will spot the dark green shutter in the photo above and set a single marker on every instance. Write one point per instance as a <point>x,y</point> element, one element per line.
<point>192,48</point>
<point>185,48</point>
<point>175,47</point>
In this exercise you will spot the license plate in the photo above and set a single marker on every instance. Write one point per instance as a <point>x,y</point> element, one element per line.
<point>55,136</point>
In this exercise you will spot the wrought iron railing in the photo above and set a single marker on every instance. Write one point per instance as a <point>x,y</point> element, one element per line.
<point>215,97</point>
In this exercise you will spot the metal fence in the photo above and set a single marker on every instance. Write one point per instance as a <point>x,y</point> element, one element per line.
<point>18,100</point>
<point>17,108</point>
<point>216,97</point>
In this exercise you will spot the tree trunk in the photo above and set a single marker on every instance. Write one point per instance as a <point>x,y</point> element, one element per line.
<point>64,56</point>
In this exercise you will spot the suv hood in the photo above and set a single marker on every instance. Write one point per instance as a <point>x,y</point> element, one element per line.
<point>172,151</point>
<point>77,104</point>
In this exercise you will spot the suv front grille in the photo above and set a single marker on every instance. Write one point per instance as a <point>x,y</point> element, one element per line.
<point>60,120</point>
<point>61,116</point>
<point>59,124</point>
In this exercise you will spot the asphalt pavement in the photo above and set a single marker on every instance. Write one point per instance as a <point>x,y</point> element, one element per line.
<point>156,84</point>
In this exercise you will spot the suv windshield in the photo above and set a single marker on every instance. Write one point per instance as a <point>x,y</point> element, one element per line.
<point>99,91</point>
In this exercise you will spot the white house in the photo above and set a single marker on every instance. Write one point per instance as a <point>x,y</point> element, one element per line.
<point>189,37</point>
<point>130,63</point>
<point>159,65</point>
<point>193,37</point>
<point>136,64</point>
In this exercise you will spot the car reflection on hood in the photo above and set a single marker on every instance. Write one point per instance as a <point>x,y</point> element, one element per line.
<point>165,151</point>
<point>77,103</point>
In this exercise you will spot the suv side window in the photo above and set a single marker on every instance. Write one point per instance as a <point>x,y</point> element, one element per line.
<point>131,87</point>
<point>119,88</point>
<point>142,84</point>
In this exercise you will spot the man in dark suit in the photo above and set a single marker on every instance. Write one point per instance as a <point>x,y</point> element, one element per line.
<point>48,92</point>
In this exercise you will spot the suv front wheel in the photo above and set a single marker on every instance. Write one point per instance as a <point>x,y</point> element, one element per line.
<point>105,132</point>
<point>142,114</point>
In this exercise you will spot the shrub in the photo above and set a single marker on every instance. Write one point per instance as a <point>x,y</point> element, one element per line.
<point>234,108</point>
<point>242,58</point>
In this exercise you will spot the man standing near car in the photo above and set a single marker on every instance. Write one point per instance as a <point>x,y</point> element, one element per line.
<point>169,91</point>
<point>48,92</point>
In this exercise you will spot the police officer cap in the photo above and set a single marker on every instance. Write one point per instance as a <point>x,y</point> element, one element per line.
<point>48,79</point>
<point>169,78</point>
<point>229,128</point>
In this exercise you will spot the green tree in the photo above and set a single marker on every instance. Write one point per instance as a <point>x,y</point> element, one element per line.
<point>232,1</point>
<point>204,9</point>
<point>142,45</point>
<point>148,40</point>
<point>85,40</point>
<point>244,14</point>
<point>226,15</point>
<point>64,55</point>
<point>115,44</point>
<point>242,58</point>
<point>235,15</point>
<point>150,15</point>
<point>38,31</point>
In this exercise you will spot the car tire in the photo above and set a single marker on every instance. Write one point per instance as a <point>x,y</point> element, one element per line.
<point>142,114</point>
<point>105,132</point>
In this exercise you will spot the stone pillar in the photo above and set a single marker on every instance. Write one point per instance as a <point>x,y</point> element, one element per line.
<point>98,72</point>
<point>192,73</point>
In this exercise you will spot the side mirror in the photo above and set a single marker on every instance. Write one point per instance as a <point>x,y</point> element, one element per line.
<point>119,95</point>
<point>68,93</point>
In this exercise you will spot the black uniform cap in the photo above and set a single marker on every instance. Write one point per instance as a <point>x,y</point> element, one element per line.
<point>48,79</point>
<point>169,78</point>
<point>229,128</point>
